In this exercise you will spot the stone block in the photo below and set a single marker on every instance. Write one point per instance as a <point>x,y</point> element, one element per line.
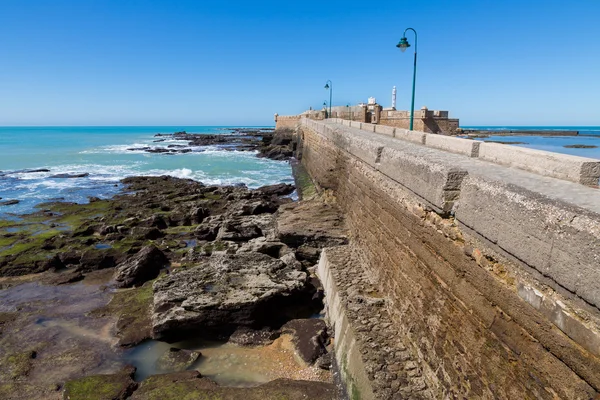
<point>385,130</point>
<point>467,147</point>
<point>365,126</point>
<point>355,124</point>
<point>410,136</point>
<point>559,316</point>
<point>431,178</point>
<point>571,168</point>
<point>559,240</point>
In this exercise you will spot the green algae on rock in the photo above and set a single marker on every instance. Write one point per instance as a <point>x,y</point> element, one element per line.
<point>133,310</point>
<point>101,387</point>
<point>190,385</point>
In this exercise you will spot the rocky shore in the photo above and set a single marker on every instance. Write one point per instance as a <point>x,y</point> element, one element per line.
<point>263,140</point>
<point>172,260</point>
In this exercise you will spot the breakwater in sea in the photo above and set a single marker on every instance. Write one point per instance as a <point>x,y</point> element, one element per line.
<point>517,132</point>
<point>469,274</point>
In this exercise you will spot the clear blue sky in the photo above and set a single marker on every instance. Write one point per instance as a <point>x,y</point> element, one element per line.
<point>126,62</point>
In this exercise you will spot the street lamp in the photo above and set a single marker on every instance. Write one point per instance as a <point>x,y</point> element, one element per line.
<point>403,45</point>
<point>348,110</point>
<point>329,86</point>
<point>325,108</point>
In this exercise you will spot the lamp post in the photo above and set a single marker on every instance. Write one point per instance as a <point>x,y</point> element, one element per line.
<point>348,110</point>
<point>403,45</point>
<point>325,108</point>
<point>329,86</point>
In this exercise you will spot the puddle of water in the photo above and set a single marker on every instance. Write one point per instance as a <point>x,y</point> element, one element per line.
<point>229,364</point>
<point>191,243</point>
<point>74,299</point>
<point>75,328</point>
<point>102,246</point>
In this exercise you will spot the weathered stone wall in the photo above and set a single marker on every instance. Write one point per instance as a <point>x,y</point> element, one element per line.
<point>428,121</point>
<point>286,121</point>
<point>457,255</point>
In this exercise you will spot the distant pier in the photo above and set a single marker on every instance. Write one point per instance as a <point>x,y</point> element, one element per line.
<point>479,132</point>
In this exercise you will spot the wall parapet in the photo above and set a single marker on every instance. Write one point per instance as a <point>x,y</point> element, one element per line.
<point>585,171</point>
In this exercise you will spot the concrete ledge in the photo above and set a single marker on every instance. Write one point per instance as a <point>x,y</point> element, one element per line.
<point>385,130</point>
<point>355,124</point>
<point>411,136</point>
<point>452,144</point>
<point>559,240</point>
<point>572,168</point>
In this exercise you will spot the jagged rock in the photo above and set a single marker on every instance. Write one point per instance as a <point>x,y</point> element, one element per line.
<point>9,202</point>
<point>223,293</point>
<point>107,229</point>
<point>311,223</point>
<point>239,229</point>
<point>176,359</point>
<point>156,221</point>
<point>276,153</point>
<point>93,260</point>
<point>141,232</point>
<point>262,245</point>
<point>54,264</point>
<point>84,230</point>
<point>308,253</point>
<point>245,336</point>
<point>64,278</point>
<point>258,207</point>
<point>309,337</point>
<point>325,361</point>
<point>281,189</point>
<point>290,260</point>
<point>142,267</point>
<point>198,214</point>
<point>70,257</point>
<point>209,229</point>
<point>66,176</point>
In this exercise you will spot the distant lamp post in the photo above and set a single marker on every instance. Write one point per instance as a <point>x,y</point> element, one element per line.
<point>403,45</point>
<point>329,86</point>
<point>325,108</point>
<point>348,110</point>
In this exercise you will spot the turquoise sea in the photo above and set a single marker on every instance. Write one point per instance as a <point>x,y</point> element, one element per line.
<point>102,152</point>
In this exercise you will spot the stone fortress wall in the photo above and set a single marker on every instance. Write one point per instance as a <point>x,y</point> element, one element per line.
<point>429,121</point>
<point>486,261</point>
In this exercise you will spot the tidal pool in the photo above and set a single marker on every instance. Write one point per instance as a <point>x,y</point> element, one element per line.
<point>230,364</point>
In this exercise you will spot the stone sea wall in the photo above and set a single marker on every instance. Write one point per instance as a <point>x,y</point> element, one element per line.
<point>489,273</point>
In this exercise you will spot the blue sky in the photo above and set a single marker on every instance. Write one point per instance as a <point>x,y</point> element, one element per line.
<point>125,62</point>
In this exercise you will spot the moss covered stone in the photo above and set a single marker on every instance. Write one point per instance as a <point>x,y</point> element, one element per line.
<point>189,385</point>
<point>101,387</point>
<point>133,309</point>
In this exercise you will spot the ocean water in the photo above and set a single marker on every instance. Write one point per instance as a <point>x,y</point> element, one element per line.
<point>588,135</point>
<point>102,152</point>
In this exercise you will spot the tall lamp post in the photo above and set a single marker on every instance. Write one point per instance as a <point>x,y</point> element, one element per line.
<point>329,86</point>
<point>403,45</point>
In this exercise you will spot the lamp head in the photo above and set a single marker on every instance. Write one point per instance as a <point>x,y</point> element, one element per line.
<point>403,45</point>
<point>324,104</point>
<point>327,86</point>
